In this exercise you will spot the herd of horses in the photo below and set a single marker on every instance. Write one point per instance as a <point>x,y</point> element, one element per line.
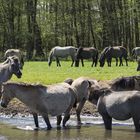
<point>77,54</point>
<point>120,99</point>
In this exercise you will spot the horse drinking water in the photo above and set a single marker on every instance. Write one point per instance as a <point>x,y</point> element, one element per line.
<point>62,52</point>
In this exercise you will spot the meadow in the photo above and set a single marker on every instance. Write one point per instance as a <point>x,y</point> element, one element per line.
<point>39,72</point>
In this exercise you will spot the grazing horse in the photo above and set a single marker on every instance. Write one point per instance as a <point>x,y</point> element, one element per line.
<point>138,67</point>
<point>113,52</point>
<point>86,53</point>
<point>125,83</point>
<point>62,52</point>
<point>118,105</point>
<point>16,52</point>
<point>136,52</point>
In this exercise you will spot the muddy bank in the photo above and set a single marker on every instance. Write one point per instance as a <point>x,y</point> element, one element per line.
<point>15,106</point>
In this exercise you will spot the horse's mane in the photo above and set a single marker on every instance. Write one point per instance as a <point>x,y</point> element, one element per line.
<point>25,84</point>
<point>123,83</point>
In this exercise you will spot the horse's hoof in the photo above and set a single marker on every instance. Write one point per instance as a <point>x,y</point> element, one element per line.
<point>36,129</point>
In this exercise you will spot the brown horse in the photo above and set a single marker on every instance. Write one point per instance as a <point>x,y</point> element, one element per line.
<point>125,83</point>
<point>118,105</point>
<point>113,52</point>
<point>86,53</point>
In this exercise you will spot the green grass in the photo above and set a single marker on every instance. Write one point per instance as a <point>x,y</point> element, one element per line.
<point>39,72</point>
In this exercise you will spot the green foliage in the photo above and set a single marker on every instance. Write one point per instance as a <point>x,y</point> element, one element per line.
<point>39,72</point>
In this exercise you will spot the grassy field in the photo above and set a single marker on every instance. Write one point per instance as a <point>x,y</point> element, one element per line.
<point>39,72</point>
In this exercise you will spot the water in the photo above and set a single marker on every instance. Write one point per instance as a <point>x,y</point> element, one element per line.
<point>22,128</point>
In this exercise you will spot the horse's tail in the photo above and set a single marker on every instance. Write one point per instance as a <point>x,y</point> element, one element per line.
<point>133,52</point>
<point>79,52</point>
<point>50,57</point>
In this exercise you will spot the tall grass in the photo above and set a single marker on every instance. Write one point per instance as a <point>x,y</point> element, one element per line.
<point>39,72</point>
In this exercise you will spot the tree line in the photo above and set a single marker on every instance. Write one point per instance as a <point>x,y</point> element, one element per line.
<point>35,26</point>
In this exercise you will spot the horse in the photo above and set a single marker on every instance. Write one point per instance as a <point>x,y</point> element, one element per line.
<point>136,52</point>
<point>81,86</point>
<point>16,52</point>
<point>125,83</point>
<point>113,52</point>
<point>118,105</point>
<point>9,67</point>
<point>87,53</point>
<point>62,52</point>
<point>138,67</point>
<point>53,99</point>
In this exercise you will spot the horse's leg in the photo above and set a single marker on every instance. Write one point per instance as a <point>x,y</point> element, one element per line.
<point>92,62</point>
<point>47,121</point>
<point>137,124</point>
<point>58,62</point>
<point>126,61</point>
<point>116,61</point>
<point>107,121</point>
<point>67,115</point>
<point>59,118</point>
<point>72,58</point>
<point>82,62</point>
<point>78,110</point>
<point>35,116</point>
<point>121,64</point>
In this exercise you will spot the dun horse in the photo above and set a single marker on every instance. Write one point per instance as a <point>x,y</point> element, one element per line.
<point>136,52</point>
<point>82,92</point>
<point>54,99</point>
<point>86,53</point>
<point>118,105</point>
<point>15,52</point>
<point>8,68</point>
<point>62,52</point>
<point>113,52</point>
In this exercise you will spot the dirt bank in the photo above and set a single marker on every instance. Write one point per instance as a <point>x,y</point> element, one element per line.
<point>15,106</point>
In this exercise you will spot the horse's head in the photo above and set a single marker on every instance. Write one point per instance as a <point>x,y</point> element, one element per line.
<point>96,92</point>
<point>102,60</point>
<point>15,66</point>
<point>6,96</point>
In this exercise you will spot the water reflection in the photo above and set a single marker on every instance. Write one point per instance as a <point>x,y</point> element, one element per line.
<point>92,129</point>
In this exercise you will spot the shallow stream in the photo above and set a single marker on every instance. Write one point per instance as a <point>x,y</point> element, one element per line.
<point>22,128</point>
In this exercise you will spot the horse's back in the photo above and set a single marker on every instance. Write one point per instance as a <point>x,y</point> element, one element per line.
<point>58,98</point>
<point>64,51</point>
<point>119,105</point>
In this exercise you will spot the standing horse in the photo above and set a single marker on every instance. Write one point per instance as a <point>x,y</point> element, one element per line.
<point>113,52</point>
<point>125,83</point>
<point>118,105</point>
<point>62,52</point>
<point>16,52</point>
<point>138,67</point>
<point>86,53</point>
<point>53,100</point>
<point>8,68</point>
<point>136,52</point>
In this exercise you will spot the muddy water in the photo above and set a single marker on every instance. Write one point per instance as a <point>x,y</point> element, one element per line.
<point>22,128</point>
